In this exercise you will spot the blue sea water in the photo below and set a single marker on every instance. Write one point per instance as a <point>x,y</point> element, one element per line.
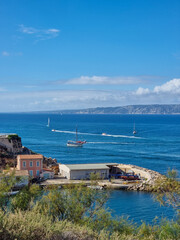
<point>156,146</point>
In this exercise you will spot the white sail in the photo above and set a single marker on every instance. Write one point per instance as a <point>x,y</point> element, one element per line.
<point>48,122</point>
<point>134,130</point>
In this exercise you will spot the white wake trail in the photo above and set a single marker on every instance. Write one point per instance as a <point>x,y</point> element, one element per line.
<point>95,134</point>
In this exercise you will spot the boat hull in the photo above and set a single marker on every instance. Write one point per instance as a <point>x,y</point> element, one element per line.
<point>74,144</point>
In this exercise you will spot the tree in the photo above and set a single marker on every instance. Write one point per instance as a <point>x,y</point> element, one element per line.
<point>23,199</point>
<point>7,181</point>
<point>167,190</point>
<point>76,204</point>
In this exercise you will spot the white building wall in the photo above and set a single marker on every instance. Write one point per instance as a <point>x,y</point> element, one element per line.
<point>85,174</point>
<point>64,171</point>
<point>81,174</point>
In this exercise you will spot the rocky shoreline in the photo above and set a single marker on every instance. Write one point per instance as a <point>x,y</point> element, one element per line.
<point>148,178</point>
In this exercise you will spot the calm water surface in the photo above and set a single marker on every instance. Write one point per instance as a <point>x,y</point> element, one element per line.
<point>156,146</point>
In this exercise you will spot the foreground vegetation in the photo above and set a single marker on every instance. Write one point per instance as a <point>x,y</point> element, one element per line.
<point>78,213</point>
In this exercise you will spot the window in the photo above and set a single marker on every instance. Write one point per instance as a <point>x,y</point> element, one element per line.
<point>37,173</point>
<point>24,164</point>
<point>31,164</point>
<point>31,173</point>
<point>37,163</point>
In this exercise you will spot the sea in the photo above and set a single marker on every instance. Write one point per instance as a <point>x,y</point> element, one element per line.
<point>156,146</point>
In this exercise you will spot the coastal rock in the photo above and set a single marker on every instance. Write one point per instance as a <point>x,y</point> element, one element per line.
<point>148,177</point>
<point>11,146</point>
<point>48,161</point>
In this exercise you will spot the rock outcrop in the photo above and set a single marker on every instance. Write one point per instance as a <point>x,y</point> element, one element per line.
<point>148,178</point>
<point>11,146</point>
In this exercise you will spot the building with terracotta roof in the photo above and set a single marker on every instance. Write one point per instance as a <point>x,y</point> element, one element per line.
<point>33,163</point>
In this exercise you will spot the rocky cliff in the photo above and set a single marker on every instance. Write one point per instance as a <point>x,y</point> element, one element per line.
<point>11,146</point>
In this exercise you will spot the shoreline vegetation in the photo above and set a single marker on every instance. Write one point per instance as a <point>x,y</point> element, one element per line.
<point>76,212</point>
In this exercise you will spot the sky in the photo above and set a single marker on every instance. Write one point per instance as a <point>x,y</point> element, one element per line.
<point>73,54</point>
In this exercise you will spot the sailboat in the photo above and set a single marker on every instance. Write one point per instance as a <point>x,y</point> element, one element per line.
<point>75,143</point>
<point>134,129</point>
<point>48,122</point>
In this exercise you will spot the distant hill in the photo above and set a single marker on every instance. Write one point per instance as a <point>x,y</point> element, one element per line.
<point>130,109</point>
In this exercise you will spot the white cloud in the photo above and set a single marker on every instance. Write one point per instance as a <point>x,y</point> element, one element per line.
<point>54,100</point>
<point>39,34</point>
<point>173,86</point>
<point>170,87</point>
<point>168,92</point>
<point>27,30</point>
<point>2,89</point>
<point>77,99</point>
<point>53,30</point>
<point>104,80</point>
<point>142,91</point>
<point>6,54</point>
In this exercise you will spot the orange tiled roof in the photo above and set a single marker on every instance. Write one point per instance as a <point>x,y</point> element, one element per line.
<point>31,156</point>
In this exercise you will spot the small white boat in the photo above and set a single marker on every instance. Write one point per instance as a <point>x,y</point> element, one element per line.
<point>134,130</point>
<point>75,143</point>
<point>53,130</point>
<point>104,134</point>
<point>48,122</point>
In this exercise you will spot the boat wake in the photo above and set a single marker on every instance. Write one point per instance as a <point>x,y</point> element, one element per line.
<point>96,134</point>
<point>117,143</point>
<point>121,136</point>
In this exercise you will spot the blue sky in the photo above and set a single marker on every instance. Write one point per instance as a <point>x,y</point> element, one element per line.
<point>63,54</point>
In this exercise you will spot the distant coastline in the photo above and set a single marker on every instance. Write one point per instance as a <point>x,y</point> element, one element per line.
<point>163,109</point>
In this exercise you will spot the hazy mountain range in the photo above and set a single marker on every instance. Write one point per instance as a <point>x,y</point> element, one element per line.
<point>130,109</point>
